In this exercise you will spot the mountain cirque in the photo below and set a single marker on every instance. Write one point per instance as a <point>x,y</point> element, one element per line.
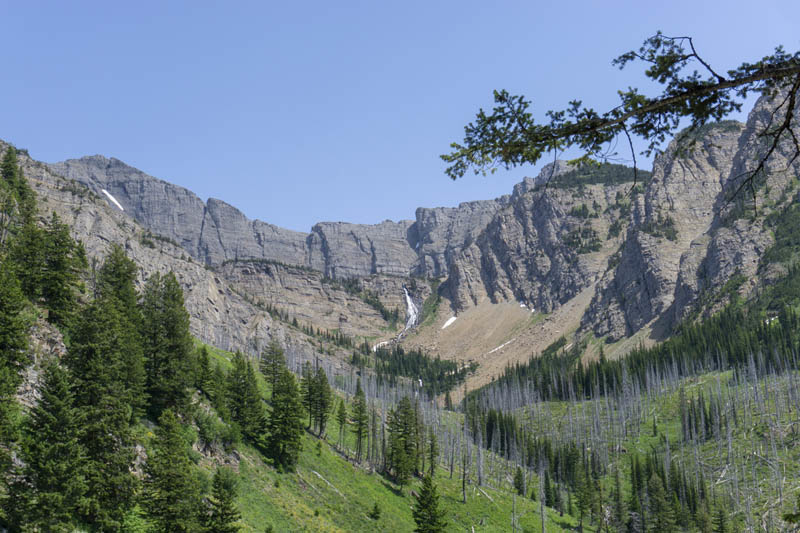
<point>584,245</point>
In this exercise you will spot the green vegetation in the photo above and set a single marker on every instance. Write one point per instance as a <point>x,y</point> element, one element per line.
<point>583,240</point>
<point>353,286</point>
<point>661,227</point>
<point>598,174</point>
<point>431,304</point>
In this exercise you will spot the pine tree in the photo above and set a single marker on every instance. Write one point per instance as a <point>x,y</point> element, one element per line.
<point>324,399</point>
<point>341,419</point>
<point>427,514</point>
<point>519,481</point>
<point>272,363</point>
<point>52,483</point>
<point>64,262</point>
<point>360,419</point>
<point>96,360</point>
<point>661,518</point>
<point>285,423</point>
<point>204,379</point>
<point>308,391</point>
<point>173,500</point>
<point>27,251</point>
<point>402,458</point>
<point>244,400</point>
<point>116,282</point>
<point>720,521</point>
<point>13,350</point>
<point>167,344</point>
<point>223,513</point>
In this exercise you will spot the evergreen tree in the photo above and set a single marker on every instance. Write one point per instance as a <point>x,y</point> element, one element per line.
<point>427,514</point>
<point>324,399</point>
<point>173,500</point>
<point>308,391</point>
<point>402,458</point>
<point>661,518</point>
<point>223,513</point>
<point>96,360</point>
<point>13,354</point>
<point>167,344</point>
<point>18,199</point>
<point>360,419</point>
<point>27,251</point>
<point>204,379</point>
<point>244,400</point>
<point>720,521</point>
<point>64,261</point>
<point>285,423</point>
<point>52,483</point>
<point>272,363</point>
<point>519,481</point>
<point>116,282</point>
<point>341,419</point>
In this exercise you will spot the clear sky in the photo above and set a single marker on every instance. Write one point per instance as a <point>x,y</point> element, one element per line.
<point>299,112</point>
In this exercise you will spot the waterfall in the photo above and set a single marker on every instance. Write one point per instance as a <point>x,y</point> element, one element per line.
<point>411,311</point>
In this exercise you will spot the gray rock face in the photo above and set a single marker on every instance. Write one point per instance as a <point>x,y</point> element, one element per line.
<point>212,232</point>
<point>541,249</point>
<point>445,231</point>
<point>676,209</point>
<point>660,280</point>
<point>344,250</point>
<point>215,232</point>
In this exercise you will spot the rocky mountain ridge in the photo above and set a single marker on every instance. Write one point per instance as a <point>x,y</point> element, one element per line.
<point>215,232</point>
<point>624,253</point>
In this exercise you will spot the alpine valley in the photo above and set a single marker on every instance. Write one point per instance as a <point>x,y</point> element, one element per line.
<point>602,349</point>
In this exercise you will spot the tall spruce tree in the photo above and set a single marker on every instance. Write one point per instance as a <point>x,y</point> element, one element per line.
<point>308,391</point>
<point>52,483</point>
<point>360,419</point>
<point>661,518</point>
<point>27,251</point>
<point>285,424</point>
<point>223,513</point>
<point>244,400</point>
<point>116,282</point>
<point>173,500</point>
<point>402,441</point>
<point>324,399</point>
<point>96,360</point>
<point>13,349</point>
<point>341,419</point>
<point>167,344</point>
<point>272,362</point>
<point>428,516</point>
<point>64,261</point>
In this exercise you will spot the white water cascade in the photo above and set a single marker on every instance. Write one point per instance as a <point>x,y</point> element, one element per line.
<point>411,311</point>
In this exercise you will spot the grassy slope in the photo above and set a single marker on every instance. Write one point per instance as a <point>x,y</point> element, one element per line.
<point>328,493</point>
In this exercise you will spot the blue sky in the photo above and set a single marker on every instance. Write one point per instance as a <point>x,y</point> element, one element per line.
<point>299,112</point>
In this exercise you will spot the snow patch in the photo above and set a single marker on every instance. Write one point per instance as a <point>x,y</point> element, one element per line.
<point>449,321</point>
<point>501,346</point>
<point>113,200</point>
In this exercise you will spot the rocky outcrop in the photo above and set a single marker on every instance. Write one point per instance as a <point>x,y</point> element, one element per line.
<point>687,237</point>
<point>445,231</point>
<point>675,210</point>
<point>542,249</point>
